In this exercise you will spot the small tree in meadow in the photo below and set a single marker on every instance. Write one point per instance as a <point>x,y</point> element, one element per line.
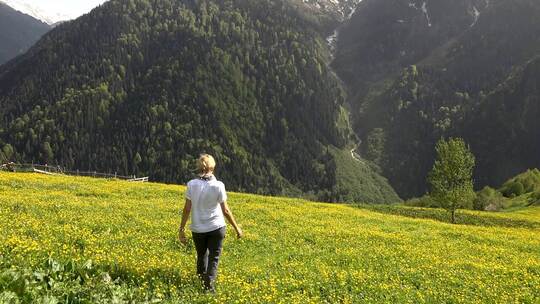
<point>451,177</point>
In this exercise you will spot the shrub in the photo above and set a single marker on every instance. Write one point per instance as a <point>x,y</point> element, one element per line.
<point>529,180</point>
<point>425,201</point>
<point>513,189</point>
<point>488,198</point>
<point>529,184</point>
<point>535,198</point>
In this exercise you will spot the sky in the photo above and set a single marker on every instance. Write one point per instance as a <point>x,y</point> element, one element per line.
<point>54,10</point>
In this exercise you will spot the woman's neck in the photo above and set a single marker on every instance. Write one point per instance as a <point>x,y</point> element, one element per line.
<point>207,176</point>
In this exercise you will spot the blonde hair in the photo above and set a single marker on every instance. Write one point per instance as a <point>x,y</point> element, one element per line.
<point>206,163</point>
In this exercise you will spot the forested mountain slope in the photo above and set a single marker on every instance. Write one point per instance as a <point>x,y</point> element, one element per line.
<point>142,87</point>
<point>17,32</point>
<point>419,70</point>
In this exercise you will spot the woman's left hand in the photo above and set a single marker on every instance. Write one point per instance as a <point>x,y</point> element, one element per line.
<point>182,237</point>
<point>239,233</point>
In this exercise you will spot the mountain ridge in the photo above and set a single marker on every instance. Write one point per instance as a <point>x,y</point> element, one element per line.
<point>18,32</point>
<point>35,12</point>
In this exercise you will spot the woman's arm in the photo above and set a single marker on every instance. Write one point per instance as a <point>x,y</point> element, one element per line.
<point>185,216</point>
<point>230,217</point>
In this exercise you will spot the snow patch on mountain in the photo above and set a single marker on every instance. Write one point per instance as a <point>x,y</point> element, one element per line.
<point>424,11</point>
<point>27,8</point>
<point>476,15</point>
<point>353,10</point>
<point>342,8</point>
<point>346,9</point>
<point>332,41</point>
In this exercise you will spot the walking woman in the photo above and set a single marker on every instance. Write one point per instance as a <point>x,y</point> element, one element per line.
<point>207,200</point>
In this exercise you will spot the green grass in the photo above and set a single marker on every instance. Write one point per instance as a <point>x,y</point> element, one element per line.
<point>517,217</point>
<point>83,240</point>
<point>358,182</point>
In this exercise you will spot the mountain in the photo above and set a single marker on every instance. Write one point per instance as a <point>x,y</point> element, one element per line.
<point>17,32</point>
<point>416,71</point>
<point>48,17</point>
<point>142,87</point>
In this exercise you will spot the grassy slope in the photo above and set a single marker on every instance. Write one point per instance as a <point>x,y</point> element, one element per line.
<point>357,182</point>
<point>294,251</point>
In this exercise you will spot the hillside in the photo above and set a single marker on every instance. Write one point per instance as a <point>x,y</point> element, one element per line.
<point>142,87</point>
<point>18,32</point>
<point>102,240</point>
<point>419,70</point>
<point>520,191</point>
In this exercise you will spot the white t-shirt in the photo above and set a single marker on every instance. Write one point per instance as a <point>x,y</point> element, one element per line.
<point>206,197</point>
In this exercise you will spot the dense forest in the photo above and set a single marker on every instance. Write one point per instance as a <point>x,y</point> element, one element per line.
<point>423,70</point>
<point>143,87</point>
<point>18,32</point>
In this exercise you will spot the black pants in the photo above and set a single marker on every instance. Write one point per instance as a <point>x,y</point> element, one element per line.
<point>208,246</point>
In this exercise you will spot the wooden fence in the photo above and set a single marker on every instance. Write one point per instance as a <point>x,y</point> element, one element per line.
<point>54,170</point>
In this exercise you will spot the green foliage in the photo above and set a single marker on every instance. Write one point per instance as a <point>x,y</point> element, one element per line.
<point>535,199</point>
<point>8,151</point>
<point>425,201</point>
<point>65,282</point>
<point>467,217</point>
<point>511,196</point>
<point>451,176</point>
<point>47,152</point>
<point>526,182</point>
<point>375,146</point>
<point>488,199</point>
<point>137,159</point>
<point>513,189</point>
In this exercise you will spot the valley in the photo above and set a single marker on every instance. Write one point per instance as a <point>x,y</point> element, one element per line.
<point>421,70</point>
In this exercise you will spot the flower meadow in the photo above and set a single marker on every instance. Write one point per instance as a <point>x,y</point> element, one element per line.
<point>84,240</point>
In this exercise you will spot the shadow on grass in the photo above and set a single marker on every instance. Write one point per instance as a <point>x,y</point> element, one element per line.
<point>462,217</point>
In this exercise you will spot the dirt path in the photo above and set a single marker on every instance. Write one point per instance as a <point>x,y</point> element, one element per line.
<point>355,155</point>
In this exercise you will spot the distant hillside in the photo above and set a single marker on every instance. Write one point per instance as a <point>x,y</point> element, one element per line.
<point>520,191</point>
<point>419,70</point>
<point>142,87</point>
<point>18,32</point>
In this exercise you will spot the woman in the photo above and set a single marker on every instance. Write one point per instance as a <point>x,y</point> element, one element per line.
<point>207,198</point>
